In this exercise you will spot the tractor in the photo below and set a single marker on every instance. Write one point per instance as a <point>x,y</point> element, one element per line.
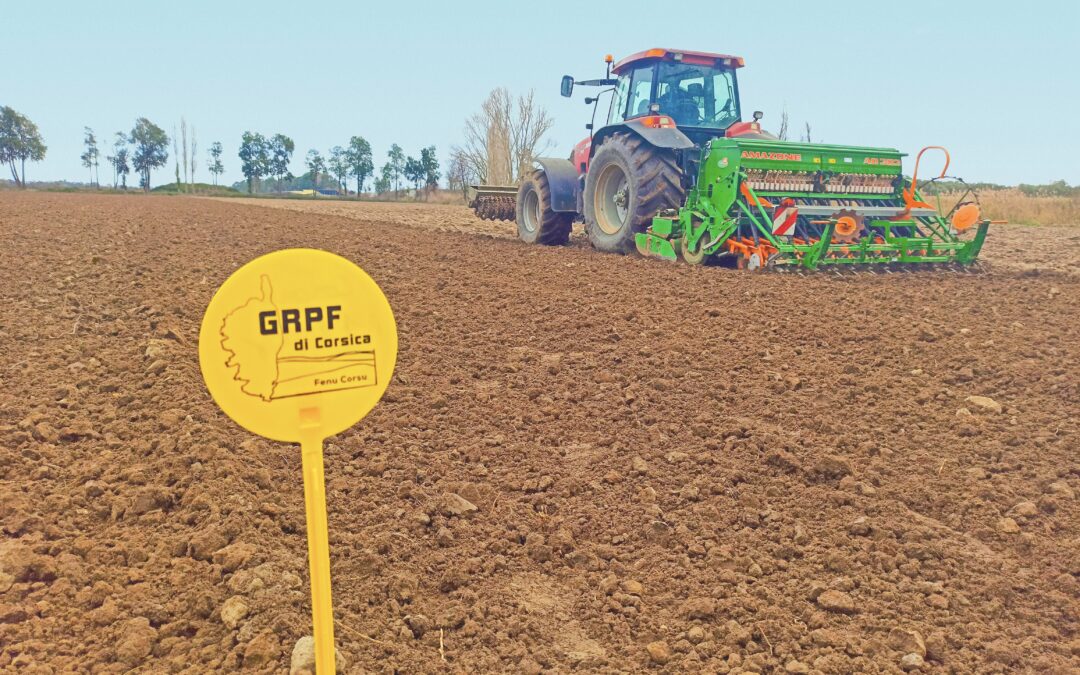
<point>674,172</point>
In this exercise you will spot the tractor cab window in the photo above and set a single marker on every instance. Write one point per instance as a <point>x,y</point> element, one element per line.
<point>618,101</point>
<point>640,95</point>
<point>697,96</point>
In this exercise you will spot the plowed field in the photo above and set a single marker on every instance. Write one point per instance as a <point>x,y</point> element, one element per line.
<point>584,462</point>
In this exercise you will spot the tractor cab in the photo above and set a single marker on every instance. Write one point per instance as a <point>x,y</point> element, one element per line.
<point>698,91</point>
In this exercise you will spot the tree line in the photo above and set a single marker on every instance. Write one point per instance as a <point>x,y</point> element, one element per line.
<point>500,143</point>
<point>269,157</point>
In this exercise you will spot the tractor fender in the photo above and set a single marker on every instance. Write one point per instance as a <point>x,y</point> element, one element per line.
<point>563,182</point>
<point>658,137</point>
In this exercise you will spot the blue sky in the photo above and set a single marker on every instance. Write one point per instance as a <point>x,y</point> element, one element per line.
<point>995,82</point>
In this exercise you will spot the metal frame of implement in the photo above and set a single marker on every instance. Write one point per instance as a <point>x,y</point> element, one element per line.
<point>845,206</point>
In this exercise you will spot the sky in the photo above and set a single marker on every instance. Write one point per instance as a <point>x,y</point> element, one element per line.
<point>995,82</point>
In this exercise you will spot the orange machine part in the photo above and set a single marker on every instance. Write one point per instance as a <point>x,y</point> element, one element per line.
<point>909,193</point>
<point>846,226</point>
<point>966,216</point>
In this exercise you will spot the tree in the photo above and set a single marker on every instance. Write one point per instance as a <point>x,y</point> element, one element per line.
<point>502,139</point>
<point>462,172</point>
<point>151,149</point>
<point>215,165</point>
<point>339,166</point>
<point>194,154</point>
<point>414,172</point>
<point>281,148</point>
<point>90,156</point>
<point>430,164</point>
<point>176,155</point>
<point>20,140</point>
<point>383,182</point>
<point>254,157</point>
<point>184,150</point>
<point>119,159</point>
<point>359,161</point>
<point>316,165</point>
<point>396,164</point>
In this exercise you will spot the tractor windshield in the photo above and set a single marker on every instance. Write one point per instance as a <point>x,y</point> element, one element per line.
<point>697,96</point>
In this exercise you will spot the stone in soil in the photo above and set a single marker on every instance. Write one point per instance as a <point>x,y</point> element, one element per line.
<point>911,661</point>
<point>453,504</point>
<point>302,661</point>
<point>985,402</point>
<point>837,601</point>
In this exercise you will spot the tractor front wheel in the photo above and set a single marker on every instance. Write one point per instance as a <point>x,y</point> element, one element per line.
<point>536,222</point>
<point>629,182</point>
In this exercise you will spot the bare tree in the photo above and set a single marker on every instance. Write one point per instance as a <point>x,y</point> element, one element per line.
<point>194,154</point>
<point>461,173</point>
<point>503,138</point>
<point>176,156</point>
<point>806,138</point>
<point>783,125</point>
<point>183,150</point>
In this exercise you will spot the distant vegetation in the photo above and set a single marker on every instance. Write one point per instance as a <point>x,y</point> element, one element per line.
<point>195,188</point>
<point>1056,189</point>
<point>265,164</point>
<point>1055,203</point>
<point>1024,207</point>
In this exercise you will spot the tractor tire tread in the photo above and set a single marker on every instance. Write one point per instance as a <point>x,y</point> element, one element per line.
<point>554,227</point>
<point>658,179</point>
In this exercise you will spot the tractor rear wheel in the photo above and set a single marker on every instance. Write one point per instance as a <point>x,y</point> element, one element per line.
<point>629,181</point>
<point>536,222</point>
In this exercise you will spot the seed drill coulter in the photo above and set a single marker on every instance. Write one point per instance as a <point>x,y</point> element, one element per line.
<point>674,173</point>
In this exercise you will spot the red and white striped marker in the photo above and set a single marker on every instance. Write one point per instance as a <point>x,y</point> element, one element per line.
<point>784,217</point>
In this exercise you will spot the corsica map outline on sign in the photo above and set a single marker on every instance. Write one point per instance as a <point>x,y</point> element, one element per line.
<point>298,334</point>
<point>294,375</point>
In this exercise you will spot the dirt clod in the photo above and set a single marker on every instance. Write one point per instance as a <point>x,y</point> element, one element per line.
<point>837,601</point>
<point>136,639</point>
<point>234,611</point>
<point>659,652</point>
<point>907,641</point>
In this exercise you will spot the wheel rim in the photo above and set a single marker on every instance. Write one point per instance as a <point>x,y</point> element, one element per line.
<point>611,203</point>
<point>530,211</point>
<point>694,257</point>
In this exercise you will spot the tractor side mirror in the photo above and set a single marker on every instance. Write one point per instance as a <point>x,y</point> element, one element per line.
<point>589,127</point>
<point>567,87</point>
<point>758,115</point>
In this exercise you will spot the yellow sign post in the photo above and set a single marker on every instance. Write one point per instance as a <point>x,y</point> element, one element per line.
<point>298,345</point>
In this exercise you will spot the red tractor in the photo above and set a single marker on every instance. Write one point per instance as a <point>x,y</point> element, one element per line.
<point>665,105</point>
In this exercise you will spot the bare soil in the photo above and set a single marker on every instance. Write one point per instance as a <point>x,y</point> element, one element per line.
<point>673,469</point>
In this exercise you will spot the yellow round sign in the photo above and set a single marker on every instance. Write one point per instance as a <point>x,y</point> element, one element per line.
<point>298,339</point>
